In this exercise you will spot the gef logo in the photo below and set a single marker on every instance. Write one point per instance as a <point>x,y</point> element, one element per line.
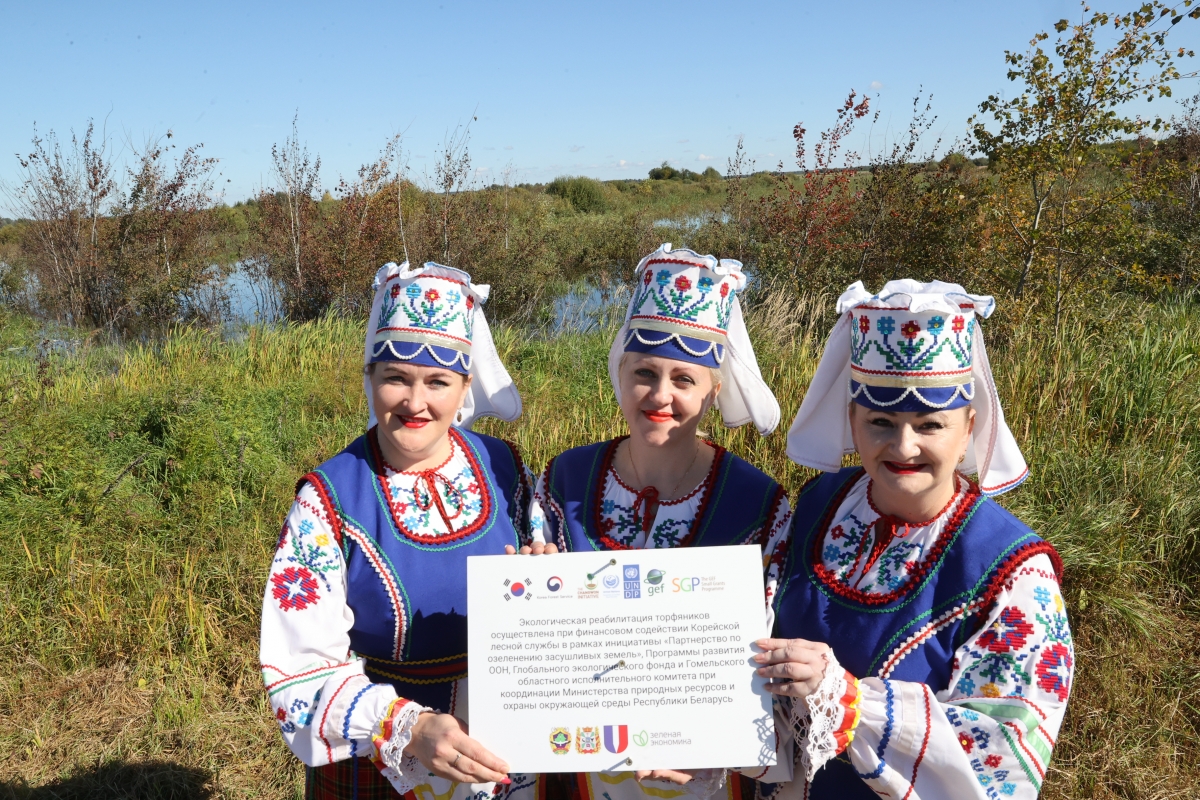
<point>632,574</point>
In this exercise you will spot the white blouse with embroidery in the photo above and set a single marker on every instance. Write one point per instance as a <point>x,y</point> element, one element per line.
<point>990,733</point>
<point>326,707</point>
<point>623,519</point>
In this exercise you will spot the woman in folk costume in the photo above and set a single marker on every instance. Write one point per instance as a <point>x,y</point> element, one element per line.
<point>683,349</point>
<point>920,624</point>
<point>364,632</point>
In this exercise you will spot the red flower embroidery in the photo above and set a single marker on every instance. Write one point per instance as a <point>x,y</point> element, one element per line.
<point>432,295</point>
<point>280,715</point>
<point>837,532</point>
<point>910,329</point>
<point>395,291</point>
<point>724,290</point>
<point>968,744</point>
<point>957,324</point>
<point>470,302</point>
<point>864,324</point>
<point>1054,671</point>
<point>646,277</point>
<point>1009,632</point>
<point>682,283</point>
<point>295,587</point>
<point>992,761</point>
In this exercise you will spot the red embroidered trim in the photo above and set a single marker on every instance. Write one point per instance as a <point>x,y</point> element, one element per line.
<point>1021,741</point>
<point>764,534</point>
<point>855,368</point>
<point>925,691</point>
<point>1018,557</point>
<point>674,321</point>
<point>598,493</point>
<point>287,677</point>
<point>485,513</point>
<point>826,576</point>
<point>325,716</point>
<point>993,489</point>
<point>427,277</point>
<point>431,333</point>
<point>519,501</point>
<point>335,521</point>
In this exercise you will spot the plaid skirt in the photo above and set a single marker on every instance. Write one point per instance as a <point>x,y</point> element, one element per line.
<point>358,779</point>
<point>352,779</point>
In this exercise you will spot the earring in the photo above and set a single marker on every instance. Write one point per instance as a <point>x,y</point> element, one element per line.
<point>962,458</point>
<point>458,418</point>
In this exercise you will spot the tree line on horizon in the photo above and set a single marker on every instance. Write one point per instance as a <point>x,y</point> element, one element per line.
<point>1058,193</point>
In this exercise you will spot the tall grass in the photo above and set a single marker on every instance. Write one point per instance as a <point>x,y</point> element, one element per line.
<point>142,491</point>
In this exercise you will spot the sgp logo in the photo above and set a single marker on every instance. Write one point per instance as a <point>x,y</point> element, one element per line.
<point>684,584</point>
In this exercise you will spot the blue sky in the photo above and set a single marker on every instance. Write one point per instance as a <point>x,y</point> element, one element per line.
<point>602,89</point>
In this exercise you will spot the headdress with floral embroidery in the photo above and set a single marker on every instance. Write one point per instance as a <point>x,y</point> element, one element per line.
<point>433,316</point>
<point>684,306</point>
<point>912,347</point>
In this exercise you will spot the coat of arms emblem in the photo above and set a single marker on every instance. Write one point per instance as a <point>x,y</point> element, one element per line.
<point>587,740</point>
<point>560,740</point>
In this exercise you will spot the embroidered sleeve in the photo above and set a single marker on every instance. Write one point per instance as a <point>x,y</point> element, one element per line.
<point>326,708</point>
<point>535,518</point>
<point>991,733</point>
<point>543,508</point>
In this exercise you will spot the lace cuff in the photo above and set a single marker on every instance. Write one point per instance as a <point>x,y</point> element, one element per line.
<point>824,722</point>
<point>706,782</point>
<point>395,732</point>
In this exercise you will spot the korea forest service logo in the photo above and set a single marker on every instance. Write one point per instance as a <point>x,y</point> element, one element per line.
<point>587,740</point>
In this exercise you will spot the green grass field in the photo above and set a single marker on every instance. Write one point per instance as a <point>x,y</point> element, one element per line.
<point>142,490</point>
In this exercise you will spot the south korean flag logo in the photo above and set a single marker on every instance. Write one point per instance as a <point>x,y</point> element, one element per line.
<point>518,589</point>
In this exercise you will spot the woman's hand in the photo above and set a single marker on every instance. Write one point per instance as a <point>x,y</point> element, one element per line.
<point>535,549</point>
<point>673,775</point>
<point>796,660</point>
<point>440,742</point>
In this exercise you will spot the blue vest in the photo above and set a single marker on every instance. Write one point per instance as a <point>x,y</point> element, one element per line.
<point>408,592</point>
<point>910,634</point>
<point>739,502</point>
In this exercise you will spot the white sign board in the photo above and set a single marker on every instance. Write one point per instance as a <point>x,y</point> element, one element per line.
<point>623,660</point>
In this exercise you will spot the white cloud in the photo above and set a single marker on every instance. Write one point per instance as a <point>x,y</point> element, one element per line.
<point>575,148</point>
<point>508,147</point>
<point>876,85</point>
<point>622,163</point>
<point>703,157</point>
<point>682,141</point>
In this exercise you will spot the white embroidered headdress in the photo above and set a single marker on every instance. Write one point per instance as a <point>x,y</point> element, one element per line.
<point>912,347</point>
<point>685,307</point>
<point>433,315</point>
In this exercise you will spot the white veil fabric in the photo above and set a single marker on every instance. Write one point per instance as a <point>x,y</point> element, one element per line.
<point>492,393</point>
<point>820,434</point>
<point>745,396</point>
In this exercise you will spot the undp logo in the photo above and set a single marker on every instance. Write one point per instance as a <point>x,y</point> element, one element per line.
<point>633,581</point>
<point>554,584</point>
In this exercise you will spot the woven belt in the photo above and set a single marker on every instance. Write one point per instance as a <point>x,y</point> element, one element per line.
<point>433,671</point>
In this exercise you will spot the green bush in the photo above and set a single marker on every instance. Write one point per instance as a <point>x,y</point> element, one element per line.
<point>586,195</point>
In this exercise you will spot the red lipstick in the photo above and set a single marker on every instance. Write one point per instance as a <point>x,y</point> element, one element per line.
<point>903,469</point>
<point>658,416</point>
<point>415,422</point>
